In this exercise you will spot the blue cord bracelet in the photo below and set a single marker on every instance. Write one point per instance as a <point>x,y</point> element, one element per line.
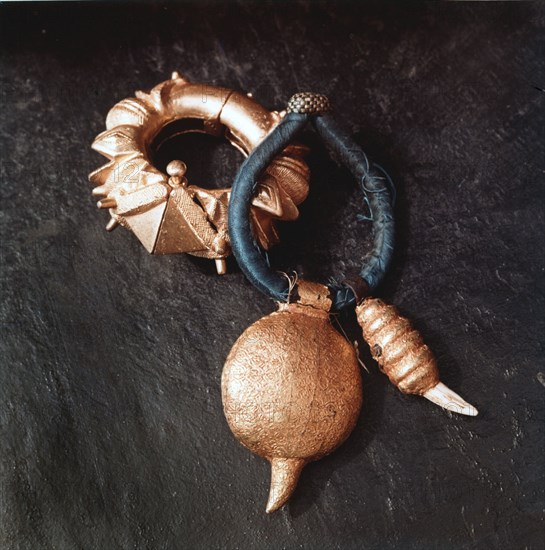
<point>374,182</point>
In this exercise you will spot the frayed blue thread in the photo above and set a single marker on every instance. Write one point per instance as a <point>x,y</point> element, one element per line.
<point>343,294</point>
<point>393,190</point>
<point>367,165</point>
<point>363,217</point>
<point>390,189</point>
<point>372,178</point>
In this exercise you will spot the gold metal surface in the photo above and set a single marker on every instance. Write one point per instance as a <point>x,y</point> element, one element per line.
<point>291,388</point>
<point>166,213</point>
<point>402,355</point>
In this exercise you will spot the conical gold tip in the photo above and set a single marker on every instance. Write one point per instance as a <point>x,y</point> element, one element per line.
<point>447,399</point>
<point>285,473</point>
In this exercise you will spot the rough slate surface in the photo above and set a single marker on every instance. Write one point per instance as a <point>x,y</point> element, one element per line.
<point>112,428</point>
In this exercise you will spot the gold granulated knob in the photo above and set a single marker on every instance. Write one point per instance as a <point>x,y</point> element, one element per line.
<point>308,103</point>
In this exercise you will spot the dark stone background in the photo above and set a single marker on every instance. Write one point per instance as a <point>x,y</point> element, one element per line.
<point>112,428</point>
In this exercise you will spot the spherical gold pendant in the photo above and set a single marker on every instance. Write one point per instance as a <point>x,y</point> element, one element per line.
<point>291,390</point>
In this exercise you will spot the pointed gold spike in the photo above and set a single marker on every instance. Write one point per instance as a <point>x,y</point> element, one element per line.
<point>107,203</point>
<point>447,399</point>
<point>112,224</point>
<point>285,473</point>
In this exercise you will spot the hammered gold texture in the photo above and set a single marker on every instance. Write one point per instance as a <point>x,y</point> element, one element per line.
<point>292,174</point>
<point>140,200</point>
<point>397,347</point>
<point>291,392</point>
<point>184,226</point>
<point>137,187</point>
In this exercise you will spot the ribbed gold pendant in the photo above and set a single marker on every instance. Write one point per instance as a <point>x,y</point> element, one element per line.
<point>404,357</point>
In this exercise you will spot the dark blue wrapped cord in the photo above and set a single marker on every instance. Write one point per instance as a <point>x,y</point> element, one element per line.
<point>374,182</point>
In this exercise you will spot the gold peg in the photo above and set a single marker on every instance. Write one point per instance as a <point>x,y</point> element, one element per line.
<point>107,203</point>
<point>112,224</point>
<point>221,266</point>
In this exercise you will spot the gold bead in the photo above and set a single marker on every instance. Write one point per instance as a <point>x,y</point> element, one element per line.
<point>176,168</point>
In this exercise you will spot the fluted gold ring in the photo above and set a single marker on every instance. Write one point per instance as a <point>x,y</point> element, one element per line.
<point>166,213</point>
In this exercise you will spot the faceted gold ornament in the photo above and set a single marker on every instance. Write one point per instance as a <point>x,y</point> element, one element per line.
<point>291,388</point>
<point>165,212</point>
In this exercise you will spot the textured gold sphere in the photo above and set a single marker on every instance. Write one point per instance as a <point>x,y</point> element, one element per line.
<point>291,391</point>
